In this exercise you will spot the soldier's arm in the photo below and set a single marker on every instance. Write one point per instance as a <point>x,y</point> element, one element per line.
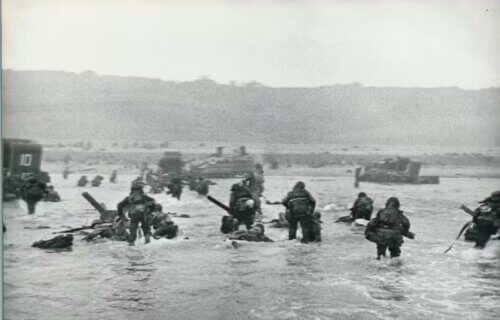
<point>406,228</point>
<point>150,201</point>
<point>285,201</point>
<point>373,224</point>
<point>122,205</point>
<point>232,200</point>
<point>406,223</point>
<point>312,200</point>
<point>355,204</point>
<point>477,212</point>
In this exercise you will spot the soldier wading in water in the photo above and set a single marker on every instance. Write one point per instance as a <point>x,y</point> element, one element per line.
<point>300,206</point>
<point>388,228</point>
<point>487,219</point>
<point>139,207</point>
<point>242,204</point>
<point>33,191</point>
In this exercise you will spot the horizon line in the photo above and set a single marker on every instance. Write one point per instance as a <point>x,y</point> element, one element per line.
<point>251,83</point>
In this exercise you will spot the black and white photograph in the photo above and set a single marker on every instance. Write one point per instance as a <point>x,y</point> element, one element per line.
<point>250,159</point>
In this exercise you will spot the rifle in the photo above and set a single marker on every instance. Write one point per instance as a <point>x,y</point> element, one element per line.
<point>466,209</point>
<point>459,234</point>
<point>92,226</point>
<point>469,211</point>
<point>218,203</point>
<point>97,232</point>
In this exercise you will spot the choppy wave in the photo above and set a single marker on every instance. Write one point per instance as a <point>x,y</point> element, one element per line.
<point>199,275</point>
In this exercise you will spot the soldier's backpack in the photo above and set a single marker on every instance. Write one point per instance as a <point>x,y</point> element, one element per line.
<point>365,204</point>
<point>389,217</point>
<point>299,206</point>
<point>241,204</point>
<point>34,192</point>
<point>138,205</point>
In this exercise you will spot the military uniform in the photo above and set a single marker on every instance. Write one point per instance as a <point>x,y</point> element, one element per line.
<point>202,186</point>
<point>363,207</point>
<point>163,225</point>
<point>139,208</point>
<point>52,195</point>
<point>242,204</point>
<point>112,178</point>
<point>300,206</point>
<point>33,191</point>
<point>175,187</point>
<point>256,186</point>
<point>65,173</point>
<point>255,234</point>
<point>82,182</point>
<point>388,228</point>
<point>96,182</point>
<point>487,219</point>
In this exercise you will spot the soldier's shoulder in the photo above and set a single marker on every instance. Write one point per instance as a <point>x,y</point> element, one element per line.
<point>401,213</point>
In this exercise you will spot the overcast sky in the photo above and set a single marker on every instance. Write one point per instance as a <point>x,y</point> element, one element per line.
<point>278,43</point>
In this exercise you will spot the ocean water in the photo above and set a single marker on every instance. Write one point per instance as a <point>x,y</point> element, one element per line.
<point>200,275</point>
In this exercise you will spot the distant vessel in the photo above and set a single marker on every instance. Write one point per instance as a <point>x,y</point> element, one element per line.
<point>219,165</point>
<point>398,170</point>
<point>171,162</point>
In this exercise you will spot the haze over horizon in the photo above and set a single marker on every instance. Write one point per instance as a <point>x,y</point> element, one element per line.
<point>266,71</point>
<point>50,104</point>
<point>254,82</point>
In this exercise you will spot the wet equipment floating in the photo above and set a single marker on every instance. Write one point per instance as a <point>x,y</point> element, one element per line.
<point>58,242</point>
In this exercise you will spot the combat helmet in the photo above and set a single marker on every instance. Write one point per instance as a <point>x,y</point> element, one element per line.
<point>393,200</point>
<point>137,186</point>
<point>495,196</point>
<point>299,186</point>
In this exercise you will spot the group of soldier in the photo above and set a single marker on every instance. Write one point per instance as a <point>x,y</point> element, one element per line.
<point>386,229</point>
<point>96,181</point>
<point>144,210</point>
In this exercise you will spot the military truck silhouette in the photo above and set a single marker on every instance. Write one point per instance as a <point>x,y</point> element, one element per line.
<point>21,157</point>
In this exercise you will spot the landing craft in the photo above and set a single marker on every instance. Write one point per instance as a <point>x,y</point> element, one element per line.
<point>220,165</point>
<point>398,170</point>
<point>21,157</point>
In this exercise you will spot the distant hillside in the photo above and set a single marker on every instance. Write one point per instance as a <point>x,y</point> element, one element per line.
<point>52,104</point>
